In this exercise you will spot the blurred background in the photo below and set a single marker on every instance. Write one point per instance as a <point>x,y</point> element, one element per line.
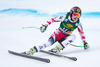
<point>15,14</point>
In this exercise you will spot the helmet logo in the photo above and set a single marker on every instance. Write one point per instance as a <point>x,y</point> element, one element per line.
<point>78,10</point>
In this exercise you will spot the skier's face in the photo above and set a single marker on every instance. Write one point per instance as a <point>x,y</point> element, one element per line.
<point>75,16</point>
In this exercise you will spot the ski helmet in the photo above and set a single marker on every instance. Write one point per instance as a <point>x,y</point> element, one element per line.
<point>75,10</point>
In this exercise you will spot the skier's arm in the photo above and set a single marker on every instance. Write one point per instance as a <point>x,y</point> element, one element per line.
<point>55,19</point>
<point>52,20</point>
<point>81,32</point>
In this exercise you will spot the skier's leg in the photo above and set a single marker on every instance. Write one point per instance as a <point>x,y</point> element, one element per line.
<point>67,40</point>
<point>63,43</point>
<point>57,35</point>
<point>46,44</point>
<point>39,47</point>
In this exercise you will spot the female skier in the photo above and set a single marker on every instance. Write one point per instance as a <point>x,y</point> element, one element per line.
<point>68,23</point>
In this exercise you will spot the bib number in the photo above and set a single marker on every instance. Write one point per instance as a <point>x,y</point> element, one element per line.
<point>65,29</point>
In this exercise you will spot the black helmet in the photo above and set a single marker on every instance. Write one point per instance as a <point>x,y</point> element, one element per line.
<point>76,10</point>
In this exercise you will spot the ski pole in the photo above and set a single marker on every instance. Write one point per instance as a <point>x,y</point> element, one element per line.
<point>76,45</point>
<point>30,27</point>
<point>73,45</point>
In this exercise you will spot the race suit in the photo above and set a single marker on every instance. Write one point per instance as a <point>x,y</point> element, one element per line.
<point>64,33</point>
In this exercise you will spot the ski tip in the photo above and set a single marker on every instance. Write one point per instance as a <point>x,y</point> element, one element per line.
<point>8,50</point>
<point>75,59</point>
<point>48,61</point>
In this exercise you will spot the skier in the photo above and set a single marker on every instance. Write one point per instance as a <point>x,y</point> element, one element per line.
<point>63,34</point>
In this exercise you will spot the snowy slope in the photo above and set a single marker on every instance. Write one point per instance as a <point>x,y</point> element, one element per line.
<point>13,37</point>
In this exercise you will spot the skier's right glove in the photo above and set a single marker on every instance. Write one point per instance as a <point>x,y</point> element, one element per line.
<point>43,28</point>
<point>86,46</point>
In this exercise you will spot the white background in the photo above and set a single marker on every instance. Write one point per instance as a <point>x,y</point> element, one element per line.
<point>12,37</point>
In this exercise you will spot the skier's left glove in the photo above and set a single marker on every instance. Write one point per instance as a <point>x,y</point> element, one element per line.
<point>43,28</point>
<point>86,46</point>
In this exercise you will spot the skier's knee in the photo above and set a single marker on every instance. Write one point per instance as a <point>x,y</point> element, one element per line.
<point>51,40</point>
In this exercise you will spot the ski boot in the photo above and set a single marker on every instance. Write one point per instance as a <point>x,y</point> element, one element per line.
<point>30,52</point>
<point>57,48</point>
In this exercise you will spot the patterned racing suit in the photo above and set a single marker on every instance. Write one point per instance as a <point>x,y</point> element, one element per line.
<point>64,33</point>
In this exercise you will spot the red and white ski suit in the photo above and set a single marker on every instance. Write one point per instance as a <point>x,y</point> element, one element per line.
<point>58,35</point>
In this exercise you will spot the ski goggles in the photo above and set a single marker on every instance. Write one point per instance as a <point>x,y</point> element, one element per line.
<point>76,14</point>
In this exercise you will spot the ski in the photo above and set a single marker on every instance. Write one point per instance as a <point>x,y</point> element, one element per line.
<point>31,57</point>
<point>55,54</point>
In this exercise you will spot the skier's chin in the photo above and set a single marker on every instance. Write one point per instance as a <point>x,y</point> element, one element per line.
<point>75,19</point>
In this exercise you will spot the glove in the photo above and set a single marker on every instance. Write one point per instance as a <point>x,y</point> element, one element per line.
<point>85,45</point>
<point>43,28</point>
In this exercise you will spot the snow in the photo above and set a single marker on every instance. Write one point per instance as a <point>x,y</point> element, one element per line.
<point>13,37</point>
